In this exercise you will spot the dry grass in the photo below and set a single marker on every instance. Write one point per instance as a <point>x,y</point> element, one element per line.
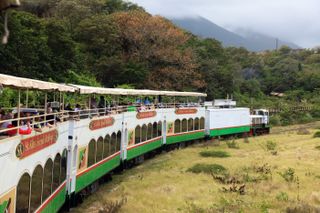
<point>163,185</point>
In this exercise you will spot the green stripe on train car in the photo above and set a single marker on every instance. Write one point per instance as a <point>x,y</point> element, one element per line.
<point>229,131</point>
<point>94,174</point>
<point>56,203</point>
<point>3,206</point>
<point>185,137</point>
<point>140,150</point>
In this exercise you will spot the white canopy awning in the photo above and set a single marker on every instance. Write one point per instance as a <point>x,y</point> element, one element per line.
<point>133,92</point>
<point>25,83</point>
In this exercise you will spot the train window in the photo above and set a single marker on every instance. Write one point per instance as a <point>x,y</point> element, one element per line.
<point>202,123</point>
<point>190,124</point>
<point>106,146</point>
<point>184,125</point>
<point>154,130</point>
<point>159,128</point>
<point>177,126</point>
<point>113,143</point>
<point>36,188</point>
<point>64,158</point>
<point>47,179</point>
<point>92,152</point>
<point>118,141</point>
<point>23,193</point>
<point>196,124</point>
<point>100,149</point>
<point>137,134</point>
<point>56,172</point>
<point>149,136</point>
<point>144,132</point>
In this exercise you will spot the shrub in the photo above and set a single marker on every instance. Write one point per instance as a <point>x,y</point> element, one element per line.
<point>215,154</point>
<point>317,147</point>
<point>208,169</point>
<point>271,145</point>
<point>275,120</point>
<point>317,134</point>
<point>233,144</point>
<point>287,175</point>
<point>282,196</point>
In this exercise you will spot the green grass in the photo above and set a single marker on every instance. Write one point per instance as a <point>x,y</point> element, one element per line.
<point>208,169</point>
<point>215,154</point>
<point>163,185</point>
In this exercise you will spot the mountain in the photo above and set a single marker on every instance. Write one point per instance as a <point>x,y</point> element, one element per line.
<point>252,41</point>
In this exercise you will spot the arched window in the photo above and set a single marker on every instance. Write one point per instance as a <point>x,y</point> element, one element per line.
<point>113,143</point>
<point>149,136</point>
<point>144,133</point>
<point>190,124</point>
<point>106,145</point>
<point>184,125</point>
<point>23,193</point>
<point>177,126</point>
<point>196,124</point>
<point>100,149</point>
<point>159,128</point>
<point>118,141</point>
<point>47,179</point>
<point>56,172</point>
<point>202,123</point>
<point>154,130</point>
<point>92,152</point>
<point>137,134</point>
<point>64,161</point>
<point>36,188</point>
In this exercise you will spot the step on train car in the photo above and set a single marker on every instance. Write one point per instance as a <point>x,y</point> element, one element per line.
<point>52,153</point>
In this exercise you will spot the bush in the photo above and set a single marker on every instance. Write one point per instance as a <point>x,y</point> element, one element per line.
<point>271,145</point>
<point>208,169</point>
<point>233,144</point>
<point>275,120</point>
<point>282,196</point>
<point>317,147</point>
<point>317,134</point>
<point>287,175</point>
<point>215,154</point>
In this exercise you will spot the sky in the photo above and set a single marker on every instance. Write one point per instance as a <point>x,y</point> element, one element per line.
<point>296,21</point>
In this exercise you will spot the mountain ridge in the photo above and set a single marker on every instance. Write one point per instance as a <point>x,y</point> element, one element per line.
<point>252,41</point>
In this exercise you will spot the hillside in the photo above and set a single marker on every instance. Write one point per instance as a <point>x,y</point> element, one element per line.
<point>250,40</point>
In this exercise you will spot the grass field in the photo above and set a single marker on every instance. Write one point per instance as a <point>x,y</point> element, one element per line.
<point>275,173</point>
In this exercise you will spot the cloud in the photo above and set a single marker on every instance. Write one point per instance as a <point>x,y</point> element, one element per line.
<point>291,20</point>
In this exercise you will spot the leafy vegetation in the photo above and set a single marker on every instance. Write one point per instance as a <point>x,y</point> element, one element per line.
<point>208,169</point>
<point>215,154</point>
<point>115,42</point>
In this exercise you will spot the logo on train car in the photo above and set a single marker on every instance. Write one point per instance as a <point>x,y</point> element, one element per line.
<point>186,111</point>
<point>7,202</point>
<point>149,114</point>
<point>82,159</point>
<point>131,138</point>
<point>101,123</point>
<point>36,143</point>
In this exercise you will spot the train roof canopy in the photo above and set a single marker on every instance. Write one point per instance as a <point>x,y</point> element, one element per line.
<point>134,92</point>
<point>25,83</point>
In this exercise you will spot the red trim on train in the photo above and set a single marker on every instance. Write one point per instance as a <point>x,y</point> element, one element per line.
<point>99,163</point>
<point>144,143</point>
<point>53,195</point>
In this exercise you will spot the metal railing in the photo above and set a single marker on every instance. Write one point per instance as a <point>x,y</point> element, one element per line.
<point>12,127</point>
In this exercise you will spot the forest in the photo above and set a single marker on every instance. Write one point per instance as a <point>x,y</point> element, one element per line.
<point>113,43</point>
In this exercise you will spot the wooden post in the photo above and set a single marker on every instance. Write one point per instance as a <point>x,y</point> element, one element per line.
<point>18,109</point>
<point>27,98</point>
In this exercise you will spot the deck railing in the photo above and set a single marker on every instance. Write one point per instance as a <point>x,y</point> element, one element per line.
<point>25,125</point>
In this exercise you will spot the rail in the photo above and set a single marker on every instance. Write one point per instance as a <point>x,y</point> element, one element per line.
<point>24,125</point>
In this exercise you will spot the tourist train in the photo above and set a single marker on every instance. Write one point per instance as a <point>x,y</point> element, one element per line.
<point>48,157</point>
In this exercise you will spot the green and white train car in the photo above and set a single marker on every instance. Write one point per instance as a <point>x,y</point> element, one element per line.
<point>43,170</point>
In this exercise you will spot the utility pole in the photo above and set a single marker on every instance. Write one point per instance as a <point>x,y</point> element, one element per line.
<point>277,43</point>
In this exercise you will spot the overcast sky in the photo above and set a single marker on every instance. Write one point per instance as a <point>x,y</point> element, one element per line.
<point>292,20</point>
